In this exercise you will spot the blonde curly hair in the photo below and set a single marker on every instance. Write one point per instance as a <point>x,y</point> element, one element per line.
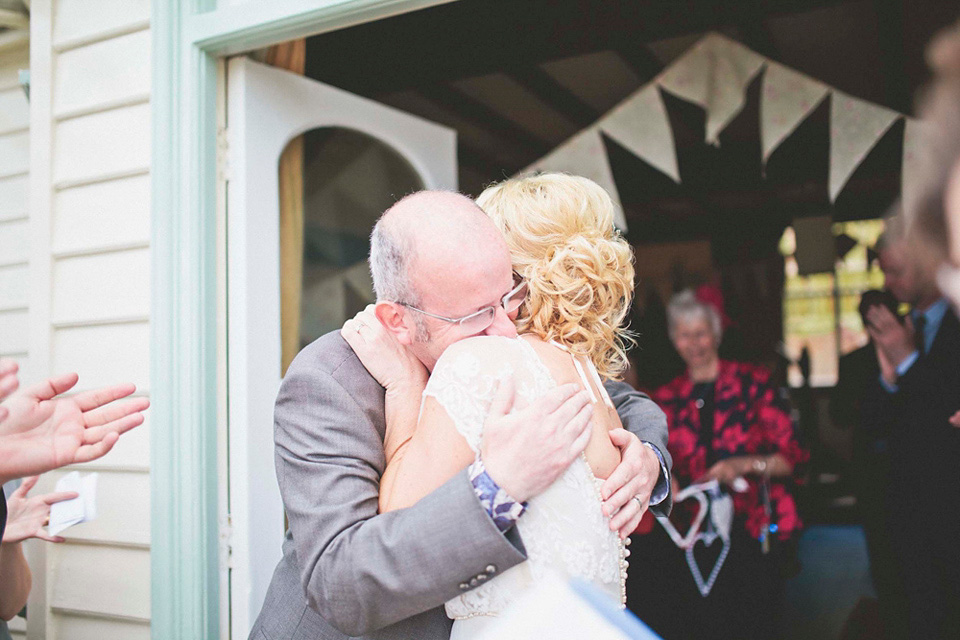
<point>579,270</point>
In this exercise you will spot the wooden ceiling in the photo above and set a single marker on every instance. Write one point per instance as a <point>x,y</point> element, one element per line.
<point>516,79</point>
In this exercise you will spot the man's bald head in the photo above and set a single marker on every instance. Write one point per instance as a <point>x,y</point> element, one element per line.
<point>423,233</point>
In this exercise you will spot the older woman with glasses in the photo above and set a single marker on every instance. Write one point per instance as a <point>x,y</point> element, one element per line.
<point>728,424</point>
<point>572,288</point>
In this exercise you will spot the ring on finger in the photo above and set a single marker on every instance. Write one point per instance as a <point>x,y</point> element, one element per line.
<point>639,501</point>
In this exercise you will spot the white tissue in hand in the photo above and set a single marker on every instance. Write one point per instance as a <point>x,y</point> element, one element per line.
<point>81,509</point>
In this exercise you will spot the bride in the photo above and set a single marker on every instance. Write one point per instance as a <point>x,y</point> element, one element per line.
<point>574,281</point>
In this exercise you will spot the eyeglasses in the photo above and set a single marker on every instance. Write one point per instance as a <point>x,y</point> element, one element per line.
<point>480,320</point>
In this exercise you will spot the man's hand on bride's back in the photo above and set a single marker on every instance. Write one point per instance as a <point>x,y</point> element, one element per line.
<point>524,451</point>
<point>388,361</point>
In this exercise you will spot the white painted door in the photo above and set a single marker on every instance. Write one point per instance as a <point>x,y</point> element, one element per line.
<point>266,108</point>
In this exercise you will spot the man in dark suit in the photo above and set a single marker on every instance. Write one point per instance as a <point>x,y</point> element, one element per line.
<point>856,403</point>
<point>919,361</point>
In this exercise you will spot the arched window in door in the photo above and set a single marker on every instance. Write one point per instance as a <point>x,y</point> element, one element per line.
<point>348,180</point>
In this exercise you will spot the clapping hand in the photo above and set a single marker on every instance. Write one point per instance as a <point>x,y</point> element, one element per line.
<point>26,516</point>
<point>895,341</point>
<point>43,431</point>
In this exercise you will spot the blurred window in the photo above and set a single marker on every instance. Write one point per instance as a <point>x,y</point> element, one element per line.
<point>820,309</point>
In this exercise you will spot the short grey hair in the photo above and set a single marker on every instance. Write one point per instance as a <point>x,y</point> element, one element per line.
<point>392,251</point>
<point>686,307</point>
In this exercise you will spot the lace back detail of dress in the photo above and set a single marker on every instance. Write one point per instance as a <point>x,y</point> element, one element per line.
<point>563,529</point>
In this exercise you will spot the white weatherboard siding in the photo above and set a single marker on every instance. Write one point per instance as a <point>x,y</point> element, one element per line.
<point>14,205</point>
<point>14,211</point>
<point>96,87</point>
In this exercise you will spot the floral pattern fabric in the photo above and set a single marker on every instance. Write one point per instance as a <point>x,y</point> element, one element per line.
<point>750,418</point>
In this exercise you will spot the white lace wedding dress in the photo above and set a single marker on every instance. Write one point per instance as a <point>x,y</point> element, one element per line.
<point>563,529</point>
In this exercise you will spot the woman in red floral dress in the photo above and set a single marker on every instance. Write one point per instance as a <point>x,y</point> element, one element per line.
<point>727,422</point>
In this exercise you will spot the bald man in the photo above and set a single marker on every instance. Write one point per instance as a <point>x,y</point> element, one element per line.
<point>442,273</point>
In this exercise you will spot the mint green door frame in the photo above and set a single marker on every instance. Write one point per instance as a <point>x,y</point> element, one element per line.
<point>189,36</point>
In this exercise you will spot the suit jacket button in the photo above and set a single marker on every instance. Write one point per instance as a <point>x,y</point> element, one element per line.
<point>464,586</point>
<point>482,576</point>
<point>491,568</point>
<point>474,582</point>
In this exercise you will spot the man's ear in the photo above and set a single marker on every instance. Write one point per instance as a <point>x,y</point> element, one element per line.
<point>392,316</point>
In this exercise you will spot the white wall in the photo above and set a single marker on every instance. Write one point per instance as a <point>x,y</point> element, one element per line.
<point>14,220</point>
<point>14,207</point>
<point>89,227</point>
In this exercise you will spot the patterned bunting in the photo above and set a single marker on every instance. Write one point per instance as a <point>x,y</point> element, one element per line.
<point>585,155</point>
<point>787,98</point>
<point>714,74</point>
<point>855,127</point>
<point>640,124</point>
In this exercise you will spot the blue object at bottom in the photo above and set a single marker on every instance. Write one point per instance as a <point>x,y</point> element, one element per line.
<point>623,619</point>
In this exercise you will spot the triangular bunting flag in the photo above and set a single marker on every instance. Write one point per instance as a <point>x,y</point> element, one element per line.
<point>917,137</point>
<point>734,67</point>
<point>640,124</point>
<point>584,155</point>
<point>786,99</point>
<point>689,76</point>
<point>714,74</point>
<point>855,127</point>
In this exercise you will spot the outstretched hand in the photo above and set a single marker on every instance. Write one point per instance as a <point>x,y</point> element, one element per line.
<point>43,431</point>
<point>28,515</point>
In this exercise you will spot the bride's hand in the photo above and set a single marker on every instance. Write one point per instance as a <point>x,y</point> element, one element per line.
<point>388,361</point>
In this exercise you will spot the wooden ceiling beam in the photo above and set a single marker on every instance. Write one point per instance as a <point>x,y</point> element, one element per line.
<point>750,19</point>
<point>482,163</point>
<point>463,105</point>
<point>892,54</point>
<point>558,97</point>
<point>421,49</point>
<point>641,60</point>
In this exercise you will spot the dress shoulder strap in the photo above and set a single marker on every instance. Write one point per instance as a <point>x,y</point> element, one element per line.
<point>583,375</point>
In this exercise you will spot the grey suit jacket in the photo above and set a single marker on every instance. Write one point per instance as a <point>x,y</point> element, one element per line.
<point>347,571</point>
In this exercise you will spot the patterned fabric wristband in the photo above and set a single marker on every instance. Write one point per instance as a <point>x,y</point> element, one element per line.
<point>502,509</point>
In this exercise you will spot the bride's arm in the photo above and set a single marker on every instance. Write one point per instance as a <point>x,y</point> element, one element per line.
<point>420,458</point>
<point>434,453</point>
<point>397,370</point>
<point>401,408</point>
